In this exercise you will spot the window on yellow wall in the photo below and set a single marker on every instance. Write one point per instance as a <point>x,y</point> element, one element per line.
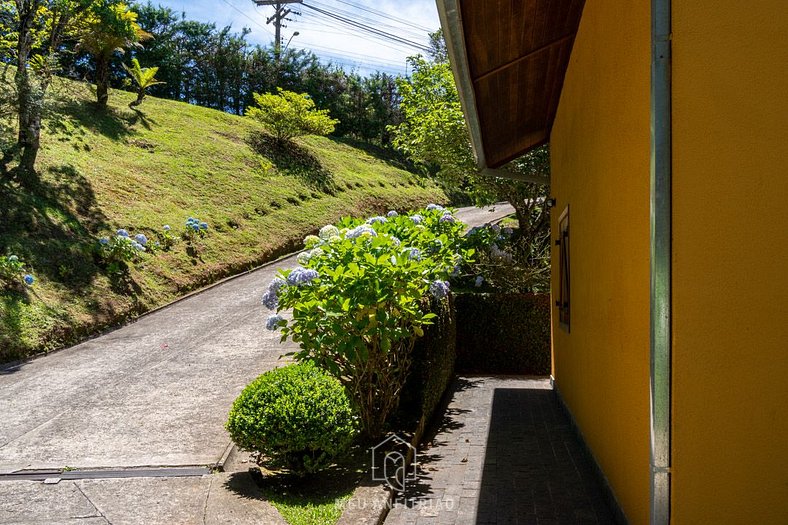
<point>563,270</point>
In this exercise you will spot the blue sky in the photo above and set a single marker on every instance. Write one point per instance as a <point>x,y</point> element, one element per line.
<point>326,37</point>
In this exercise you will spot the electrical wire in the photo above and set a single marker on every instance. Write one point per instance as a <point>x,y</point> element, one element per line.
<point>383,14</point>
<point>368,29</point>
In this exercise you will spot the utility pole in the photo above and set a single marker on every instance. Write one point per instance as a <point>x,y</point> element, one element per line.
<point>281,14</point>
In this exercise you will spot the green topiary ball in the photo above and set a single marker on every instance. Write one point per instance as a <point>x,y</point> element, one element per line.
<point>296,417</point>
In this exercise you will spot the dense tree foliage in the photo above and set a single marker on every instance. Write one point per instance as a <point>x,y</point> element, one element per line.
<point>433,132</point>
<point>288,115</point>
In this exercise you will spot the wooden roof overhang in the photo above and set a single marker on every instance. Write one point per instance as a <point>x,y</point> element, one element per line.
<point>509,59</point>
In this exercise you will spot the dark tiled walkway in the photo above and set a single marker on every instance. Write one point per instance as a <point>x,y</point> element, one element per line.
<point>505,453</point>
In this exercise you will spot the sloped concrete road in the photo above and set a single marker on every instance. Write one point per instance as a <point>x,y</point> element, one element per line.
<point>151,394</point>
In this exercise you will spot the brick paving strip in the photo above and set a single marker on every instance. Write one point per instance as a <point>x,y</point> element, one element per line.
<point>504,453</point>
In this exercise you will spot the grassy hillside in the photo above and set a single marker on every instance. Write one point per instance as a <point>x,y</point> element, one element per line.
<point>140,170</point>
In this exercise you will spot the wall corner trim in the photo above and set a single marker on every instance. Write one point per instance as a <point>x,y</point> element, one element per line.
<point>661,254</point>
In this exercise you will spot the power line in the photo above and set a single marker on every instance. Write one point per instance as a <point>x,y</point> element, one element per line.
<point>369,29</point>
<point>249,17</point>
<point>385,15</point>
<point>398,29</point>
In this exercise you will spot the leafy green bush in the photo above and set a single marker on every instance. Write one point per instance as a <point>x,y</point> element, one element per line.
<point>288,115</point>
<point>358,303</point>
<point>12,272</point>
<point>117,251</point>
<point>296,417</point>
<point>503,333</point>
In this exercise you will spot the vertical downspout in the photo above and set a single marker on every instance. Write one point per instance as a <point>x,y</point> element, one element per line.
<point>661,171</point>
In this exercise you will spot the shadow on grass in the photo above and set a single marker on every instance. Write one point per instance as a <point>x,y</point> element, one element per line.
<point>390,156</point>
<point>73,116</point>
<point>51,224</point>
<point>295,161</point>
<point>317,498</point>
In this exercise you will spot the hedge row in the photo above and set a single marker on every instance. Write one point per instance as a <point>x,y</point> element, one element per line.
<point>503,333</point>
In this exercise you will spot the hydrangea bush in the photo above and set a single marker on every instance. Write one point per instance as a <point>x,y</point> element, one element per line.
<point>358,301</point>
<point>12,272</point>
<point>120,249</point>
<point>194,229</point>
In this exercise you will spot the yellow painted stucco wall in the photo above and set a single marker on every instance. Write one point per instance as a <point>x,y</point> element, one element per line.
<point>600,169</point>
<point>730,262</point>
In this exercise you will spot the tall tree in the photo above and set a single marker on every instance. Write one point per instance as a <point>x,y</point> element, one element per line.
<point>108,27</point>
<point>33,33</point>
<point>433,132</point>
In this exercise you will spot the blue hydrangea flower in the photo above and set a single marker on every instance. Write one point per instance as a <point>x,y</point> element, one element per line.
<point>137,246</point>
<point>301,276</point>
<point>195,226</point>
<point>275,284</point>
<point>191,219</point>
<point>104,241</point>
<point>435,246</point>
<point>304,258</point>
<point>13,258</point>
<point>379,219</point>
<point>496,228</point>
<point>358,231</point>
<point>270,300</point>
<point>413,253</point>
<point>123,233</point>
<point>448,218</point>
<point>396,241</point>
<point>433,207</point>
<point>273,322</point>
<point>317,252</point>
<point>439,289</point>
<point>479,281</point>
<point>455,271</point>
<point>473,230</point>
<point>167,227</point>
<point>140,238</point>
<point>328,231</point>
<point>392,213</point>
<point>310,241</point>
<point>418,219</point>
<point>203,225</point>
<point>29,280</point>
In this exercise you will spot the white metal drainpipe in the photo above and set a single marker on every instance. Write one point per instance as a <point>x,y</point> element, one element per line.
<point>661,171</point>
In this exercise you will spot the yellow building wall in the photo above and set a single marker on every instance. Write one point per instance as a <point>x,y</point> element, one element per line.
<point>730,262</point>
<point>600,169</point>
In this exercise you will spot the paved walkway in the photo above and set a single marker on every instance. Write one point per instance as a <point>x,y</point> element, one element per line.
<point>153,393</point>
<point>504,454</point>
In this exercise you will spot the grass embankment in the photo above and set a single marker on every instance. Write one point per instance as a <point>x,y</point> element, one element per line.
<point>100,171</point>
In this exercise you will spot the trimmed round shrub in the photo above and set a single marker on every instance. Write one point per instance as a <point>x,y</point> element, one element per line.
<point>296,417</point>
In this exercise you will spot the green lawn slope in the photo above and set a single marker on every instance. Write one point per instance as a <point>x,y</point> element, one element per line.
<point>139,170</point>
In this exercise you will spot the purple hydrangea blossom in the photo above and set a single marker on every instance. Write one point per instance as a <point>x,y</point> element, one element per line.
<point>392,213</point>
<point>358,231</point>
<point>447,218</point>
<point>413,253</point>
<point>302,276</point>
<point>104,241</point>
<point>123,233</point>
<point>418,219</point>
<point>379,219</point>
<point>479,281</point>
<point>275,284</point>
<point>270,300</point>
<point>166,227</point>
<point>137,246</point>
<point>433,207</point>
<point>141,239</point>
<point>273,322</point>
<point>439,289</point>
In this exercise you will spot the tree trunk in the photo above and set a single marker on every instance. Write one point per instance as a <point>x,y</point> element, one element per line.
<point>140,97</point>
<point>102,81</point>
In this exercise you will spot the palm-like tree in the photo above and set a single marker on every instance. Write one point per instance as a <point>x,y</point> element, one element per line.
<point>109,27</point>
<point>143,78</point>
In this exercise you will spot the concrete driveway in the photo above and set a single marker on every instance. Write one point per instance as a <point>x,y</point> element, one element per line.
<point>154,393</point>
